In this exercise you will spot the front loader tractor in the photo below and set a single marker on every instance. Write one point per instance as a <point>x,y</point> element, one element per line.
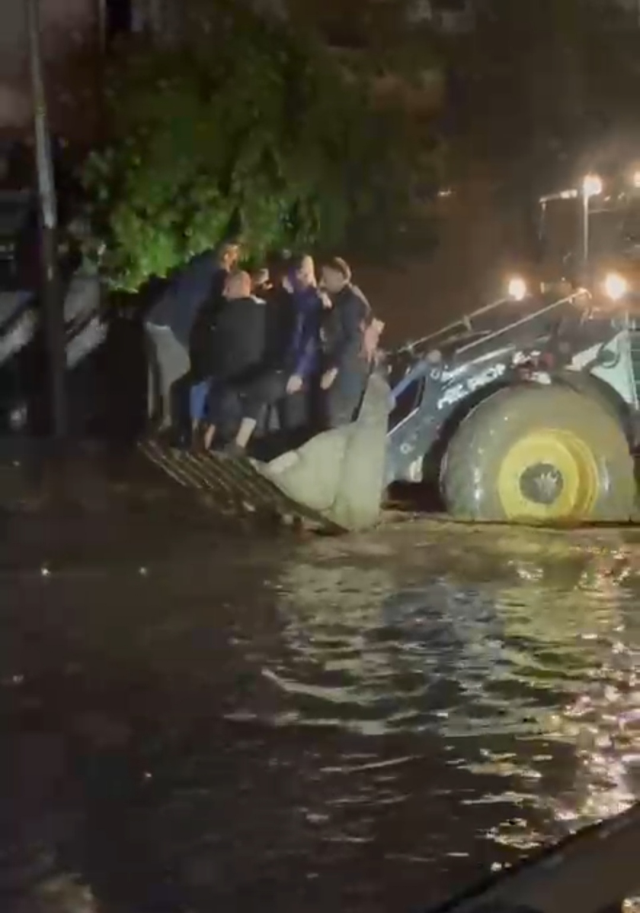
<point>524,411</point>
<point>527,410</point>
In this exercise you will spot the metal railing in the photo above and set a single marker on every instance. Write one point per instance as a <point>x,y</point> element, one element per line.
<point>466,323</point>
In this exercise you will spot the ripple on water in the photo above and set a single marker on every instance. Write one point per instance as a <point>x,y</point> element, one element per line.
<point>359,715</point>
<point>509,673</point>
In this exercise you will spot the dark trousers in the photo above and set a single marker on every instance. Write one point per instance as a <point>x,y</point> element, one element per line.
<point>341,402</point>
<point>297,412</point>
<point>265,391</point>
<point>224,407</point>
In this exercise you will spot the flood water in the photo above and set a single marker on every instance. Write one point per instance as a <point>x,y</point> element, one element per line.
<point>198,722</point>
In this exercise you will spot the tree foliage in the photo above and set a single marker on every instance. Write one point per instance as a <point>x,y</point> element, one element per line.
<point>245,128</point>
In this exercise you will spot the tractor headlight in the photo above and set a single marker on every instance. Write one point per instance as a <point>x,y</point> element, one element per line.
<point>615,286</point>
<point>517,288</point>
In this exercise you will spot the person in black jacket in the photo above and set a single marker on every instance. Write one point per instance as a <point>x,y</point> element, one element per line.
<point>169,327</point>
<point>202,340</point>
<point>239,349</point>
<point>346,366</point>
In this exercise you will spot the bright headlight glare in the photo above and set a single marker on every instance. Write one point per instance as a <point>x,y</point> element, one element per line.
<point>592,185</point>
<point>517,288</point>
<point>615,286</point>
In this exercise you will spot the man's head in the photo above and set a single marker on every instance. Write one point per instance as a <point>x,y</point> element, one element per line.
<point>228,255</point>
<point>305,271</point>
<point>238,285</point>
<point>336,273</point>
<point>260,279</point>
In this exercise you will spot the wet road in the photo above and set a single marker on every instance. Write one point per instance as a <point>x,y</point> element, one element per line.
<point>196,722</point>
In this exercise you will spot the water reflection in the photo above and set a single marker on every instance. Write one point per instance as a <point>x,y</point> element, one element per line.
<point>528,676</point>
<point>358,724</point>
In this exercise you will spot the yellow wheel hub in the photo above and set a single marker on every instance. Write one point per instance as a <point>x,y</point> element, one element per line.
<point>550,474</point>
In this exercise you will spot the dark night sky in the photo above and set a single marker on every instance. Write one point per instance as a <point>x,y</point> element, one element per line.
<point>118,17</point>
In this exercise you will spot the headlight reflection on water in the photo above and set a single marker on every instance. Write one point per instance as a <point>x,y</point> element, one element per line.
<point>521,667</point>
<point>601,722</point>
<point>604,721</point>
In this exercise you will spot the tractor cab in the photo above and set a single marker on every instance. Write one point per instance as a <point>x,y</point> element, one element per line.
<point>589,236</point>
<point>614,248</point>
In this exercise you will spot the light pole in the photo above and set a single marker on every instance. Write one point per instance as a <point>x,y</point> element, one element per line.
<point>51,297</point>
<point>591,187</point>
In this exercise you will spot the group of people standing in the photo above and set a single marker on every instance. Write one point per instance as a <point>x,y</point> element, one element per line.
<point>228,342</point>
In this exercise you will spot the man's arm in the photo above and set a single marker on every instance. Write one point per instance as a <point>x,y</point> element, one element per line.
<point>307,357</point>
<point>308,338</point>
<point>354,312</point>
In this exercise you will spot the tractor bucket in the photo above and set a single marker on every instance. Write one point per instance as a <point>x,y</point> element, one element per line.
<point>335,481</point>
<point>339,474</point>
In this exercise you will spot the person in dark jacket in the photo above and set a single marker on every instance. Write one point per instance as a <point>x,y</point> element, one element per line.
<point>346,363</point>
<point>280,310</point>
<point>203,344</point>
<point>240,347</point>
<point>169,325</point>
<point>202,347</point>
<point>308,304</point>
<point>293,358</point>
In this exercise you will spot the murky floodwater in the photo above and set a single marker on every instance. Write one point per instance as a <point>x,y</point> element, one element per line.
<point>196,722</point>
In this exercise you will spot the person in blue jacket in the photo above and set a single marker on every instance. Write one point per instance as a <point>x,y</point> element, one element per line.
<point>169,325</point>
<point>303,357</point>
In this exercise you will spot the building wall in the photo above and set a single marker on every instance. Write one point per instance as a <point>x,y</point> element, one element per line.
<point>70,29</point>
<point>629,6</point>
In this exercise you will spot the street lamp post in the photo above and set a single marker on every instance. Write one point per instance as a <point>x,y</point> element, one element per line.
<point>591,187</point>
<point>51,297</point>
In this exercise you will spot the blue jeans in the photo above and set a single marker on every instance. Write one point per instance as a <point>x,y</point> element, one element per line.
<point>199,400</point>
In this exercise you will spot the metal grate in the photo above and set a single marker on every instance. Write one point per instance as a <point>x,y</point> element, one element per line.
<point>233,486</point>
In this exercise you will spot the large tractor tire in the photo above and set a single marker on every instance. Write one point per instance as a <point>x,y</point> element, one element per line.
<point>539,454</point>
<point>596,389</point>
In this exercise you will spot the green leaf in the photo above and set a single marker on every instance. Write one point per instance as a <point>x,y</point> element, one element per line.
<point>245,120</point>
